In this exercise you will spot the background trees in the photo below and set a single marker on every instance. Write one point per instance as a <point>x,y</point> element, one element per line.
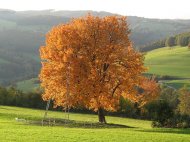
<point>171,109</point>
<point>182,39</point>
<point>14,97</point>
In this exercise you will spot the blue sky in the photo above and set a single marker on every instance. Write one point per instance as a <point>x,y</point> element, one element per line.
<point>163,9</point>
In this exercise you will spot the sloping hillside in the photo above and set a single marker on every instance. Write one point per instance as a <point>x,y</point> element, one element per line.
<point>22,33</point>
<point>173,63</point>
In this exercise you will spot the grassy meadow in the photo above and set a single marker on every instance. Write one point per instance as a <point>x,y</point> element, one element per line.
<point>178,83</point>
<point>28,85</point>
<point>170,61</point>
<point>118,130</point>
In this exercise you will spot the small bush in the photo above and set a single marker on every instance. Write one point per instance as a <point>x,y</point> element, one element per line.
<point>14,97</point>
<point>160,111</point>
<point>177,121</point>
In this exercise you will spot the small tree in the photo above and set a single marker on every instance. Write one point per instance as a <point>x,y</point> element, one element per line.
<point>184,98</point>
<point>101,62</point>
<point>189,45</point>
<point>160,111</point>
<point>170,96</point>
<point>170,42</point>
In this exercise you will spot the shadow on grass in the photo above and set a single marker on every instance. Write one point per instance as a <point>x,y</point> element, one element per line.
<point>76,124</point>
<point>26,119</point>
<point>35,120</point>
<point>167,130</point>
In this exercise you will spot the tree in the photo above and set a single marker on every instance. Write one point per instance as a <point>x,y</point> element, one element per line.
<point>160,111</point>
<point>182,40</point>
<point>170,42</point>
<point>184,101</point>
<point>170,96</point>
<point>154,45</point>
<point>189,45</point>
<point>90,62</point>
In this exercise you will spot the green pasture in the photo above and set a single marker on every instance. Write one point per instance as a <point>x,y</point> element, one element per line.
<point>171,61</point>
<point>178,83</point>
<point>117,130</point>
<point>28,85</point>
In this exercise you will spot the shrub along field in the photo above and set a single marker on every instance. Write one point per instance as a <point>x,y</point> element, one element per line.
<point>119,129</point>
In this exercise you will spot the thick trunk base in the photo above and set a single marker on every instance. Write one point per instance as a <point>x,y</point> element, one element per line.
<point>101,116</point>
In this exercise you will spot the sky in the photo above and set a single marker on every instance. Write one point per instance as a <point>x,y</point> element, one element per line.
<point>162,9</point>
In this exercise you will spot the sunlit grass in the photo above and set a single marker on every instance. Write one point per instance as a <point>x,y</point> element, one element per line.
<point>174,61</point>
<point>138,131</point>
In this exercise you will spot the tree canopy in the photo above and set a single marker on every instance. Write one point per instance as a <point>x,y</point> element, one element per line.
<point>90,62</point>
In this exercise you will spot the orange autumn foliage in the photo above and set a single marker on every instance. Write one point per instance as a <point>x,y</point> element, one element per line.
<point>96,56</point>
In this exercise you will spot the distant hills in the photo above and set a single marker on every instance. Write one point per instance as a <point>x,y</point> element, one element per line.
<point>144,30</point>
<point>21,34</point>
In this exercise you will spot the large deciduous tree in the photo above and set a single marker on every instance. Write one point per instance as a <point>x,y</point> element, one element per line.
<point>93,59</point>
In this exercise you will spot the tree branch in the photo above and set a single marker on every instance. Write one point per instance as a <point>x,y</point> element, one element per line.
<point>115,88</point>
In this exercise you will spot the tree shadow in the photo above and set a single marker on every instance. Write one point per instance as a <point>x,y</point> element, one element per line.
<point>76,124</point>
<point>168,130</point>
<point>25,119</point>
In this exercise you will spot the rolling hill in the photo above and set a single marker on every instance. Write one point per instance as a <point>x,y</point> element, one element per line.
<point>22,33</point>
<point>30,85</point>
<point>169,61</point>
<point>173,62</point>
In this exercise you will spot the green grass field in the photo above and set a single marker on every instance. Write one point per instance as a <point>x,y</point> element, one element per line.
<point>134,130</point>
<point>28,85</point>
<point>174,62</point>
<point>178,83</point>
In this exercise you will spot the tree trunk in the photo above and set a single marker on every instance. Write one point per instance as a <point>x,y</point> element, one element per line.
<point>101,115</point>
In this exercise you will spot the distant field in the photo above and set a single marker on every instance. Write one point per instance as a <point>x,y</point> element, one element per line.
<point>137,131</point>
<point>173,61</point>
<point>28,85</point>
<point>5,24</point>
<point>2,61</point>
<point>178,83</point>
